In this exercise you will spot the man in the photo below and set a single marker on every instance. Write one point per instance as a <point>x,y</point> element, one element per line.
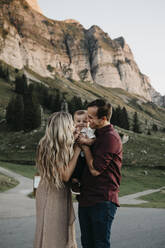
<point>98,200</point>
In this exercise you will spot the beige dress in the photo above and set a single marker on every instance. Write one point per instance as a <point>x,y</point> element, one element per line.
<point>55,218</point>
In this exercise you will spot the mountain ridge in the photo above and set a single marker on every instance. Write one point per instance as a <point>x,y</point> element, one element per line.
<point>66,49</point>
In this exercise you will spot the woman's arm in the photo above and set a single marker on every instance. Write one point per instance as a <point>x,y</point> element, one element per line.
<point>67,172</point>
<point>89,159</point>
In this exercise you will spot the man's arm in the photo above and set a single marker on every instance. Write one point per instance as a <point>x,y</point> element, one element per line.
<point>89,159</point>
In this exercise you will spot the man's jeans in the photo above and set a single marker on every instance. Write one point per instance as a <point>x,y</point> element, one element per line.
<point>95,224</point>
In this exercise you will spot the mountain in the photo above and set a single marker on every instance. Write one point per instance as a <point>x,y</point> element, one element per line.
<point>34,5</point>
<point>31,42</point>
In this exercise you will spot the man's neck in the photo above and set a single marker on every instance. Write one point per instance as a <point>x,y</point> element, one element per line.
<point>106,123</point>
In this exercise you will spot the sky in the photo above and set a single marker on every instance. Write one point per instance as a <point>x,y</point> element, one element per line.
<point>140,22</point>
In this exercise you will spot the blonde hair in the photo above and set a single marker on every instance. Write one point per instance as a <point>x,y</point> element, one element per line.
<point>55,149</point>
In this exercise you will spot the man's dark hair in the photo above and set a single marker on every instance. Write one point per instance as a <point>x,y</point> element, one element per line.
<point>104,108</point>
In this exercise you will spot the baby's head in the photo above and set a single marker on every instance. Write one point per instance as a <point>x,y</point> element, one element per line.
<point>80,119</point>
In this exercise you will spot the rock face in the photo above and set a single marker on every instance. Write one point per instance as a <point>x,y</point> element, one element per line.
<point>30,41</point>
<point>113,65</point>
<point>34,5</point>
<point>157,98</point>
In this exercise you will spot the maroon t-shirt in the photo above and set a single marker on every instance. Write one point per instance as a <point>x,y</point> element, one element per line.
<point>107,159</point>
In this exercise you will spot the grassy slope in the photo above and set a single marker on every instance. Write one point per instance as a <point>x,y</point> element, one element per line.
<point>24,170</point>
<point>139,179</point>
<point>145,150</point>
<point>148,112</point>
<point>155,200</point>
<point>12,143</point>
<point>141,150</point>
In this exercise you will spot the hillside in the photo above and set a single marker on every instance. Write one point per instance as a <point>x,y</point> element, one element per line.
<point>140,150</point>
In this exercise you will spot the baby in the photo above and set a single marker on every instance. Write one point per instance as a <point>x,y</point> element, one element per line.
<point>82,128</point>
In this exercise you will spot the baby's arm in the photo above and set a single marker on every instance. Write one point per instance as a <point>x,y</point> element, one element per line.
<point>84,140</point>
<point>89,141</point>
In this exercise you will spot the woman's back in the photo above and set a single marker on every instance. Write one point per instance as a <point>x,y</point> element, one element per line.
<point>56,160</point>
<point>55,217</point>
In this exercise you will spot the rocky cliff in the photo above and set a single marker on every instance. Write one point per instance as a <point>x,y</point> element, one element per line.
<point>34,5</point>
<point>29,40</point>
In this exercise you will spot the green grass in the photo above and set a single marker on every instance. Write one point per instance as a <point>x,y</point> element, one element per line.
<point>31,195</point>
<point>144,150</point>
<point>7,183</point>
<point>24,170</point>
<point>155,200</point>
<point>12,143</point>
<point>139,179</point>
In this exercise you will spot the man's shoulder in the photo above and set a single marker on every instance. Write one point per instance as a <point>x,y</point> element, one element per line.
<point>111,134</point>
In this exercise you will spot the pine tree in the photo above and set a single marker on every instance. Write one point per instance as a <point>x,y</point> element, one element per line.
<point>10,112</point>
<point>58,101</point>
<point>21,85</point>
<point>46,97</point>
<point>43,94</point>
<point>75,104</point>
<point>85,104</point>
<point>114,117</point>
<point>154,127</point>
<point>136,127</point>
<point>4,72</point>
<point>125,121</point>
<point>52,103</point>
<point>15,113</point>
<point>119,116</point>
<point>148,132</point>
<point>32,111</point>
<point>18,119</point>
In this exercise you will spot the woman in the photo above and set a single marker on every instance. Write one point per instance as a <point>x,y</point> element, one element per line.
<point>56,161</point>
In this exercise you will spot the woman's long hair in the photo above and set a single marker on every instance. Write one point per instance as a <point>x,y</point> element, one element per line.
<point>55,149</point>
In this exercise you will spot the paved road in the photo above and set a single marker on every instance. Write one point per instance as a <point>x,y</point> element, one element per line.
<point>14,202</point>
<point>132,228</point>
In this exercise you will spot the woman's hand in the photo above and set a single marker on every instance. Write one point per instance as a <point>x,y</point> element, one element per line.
<point>76,134</point>
<point>77,147</point>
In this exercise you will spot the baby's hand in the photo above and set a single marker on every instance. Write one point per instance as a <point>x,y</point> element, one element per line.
<point>82,139</point>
